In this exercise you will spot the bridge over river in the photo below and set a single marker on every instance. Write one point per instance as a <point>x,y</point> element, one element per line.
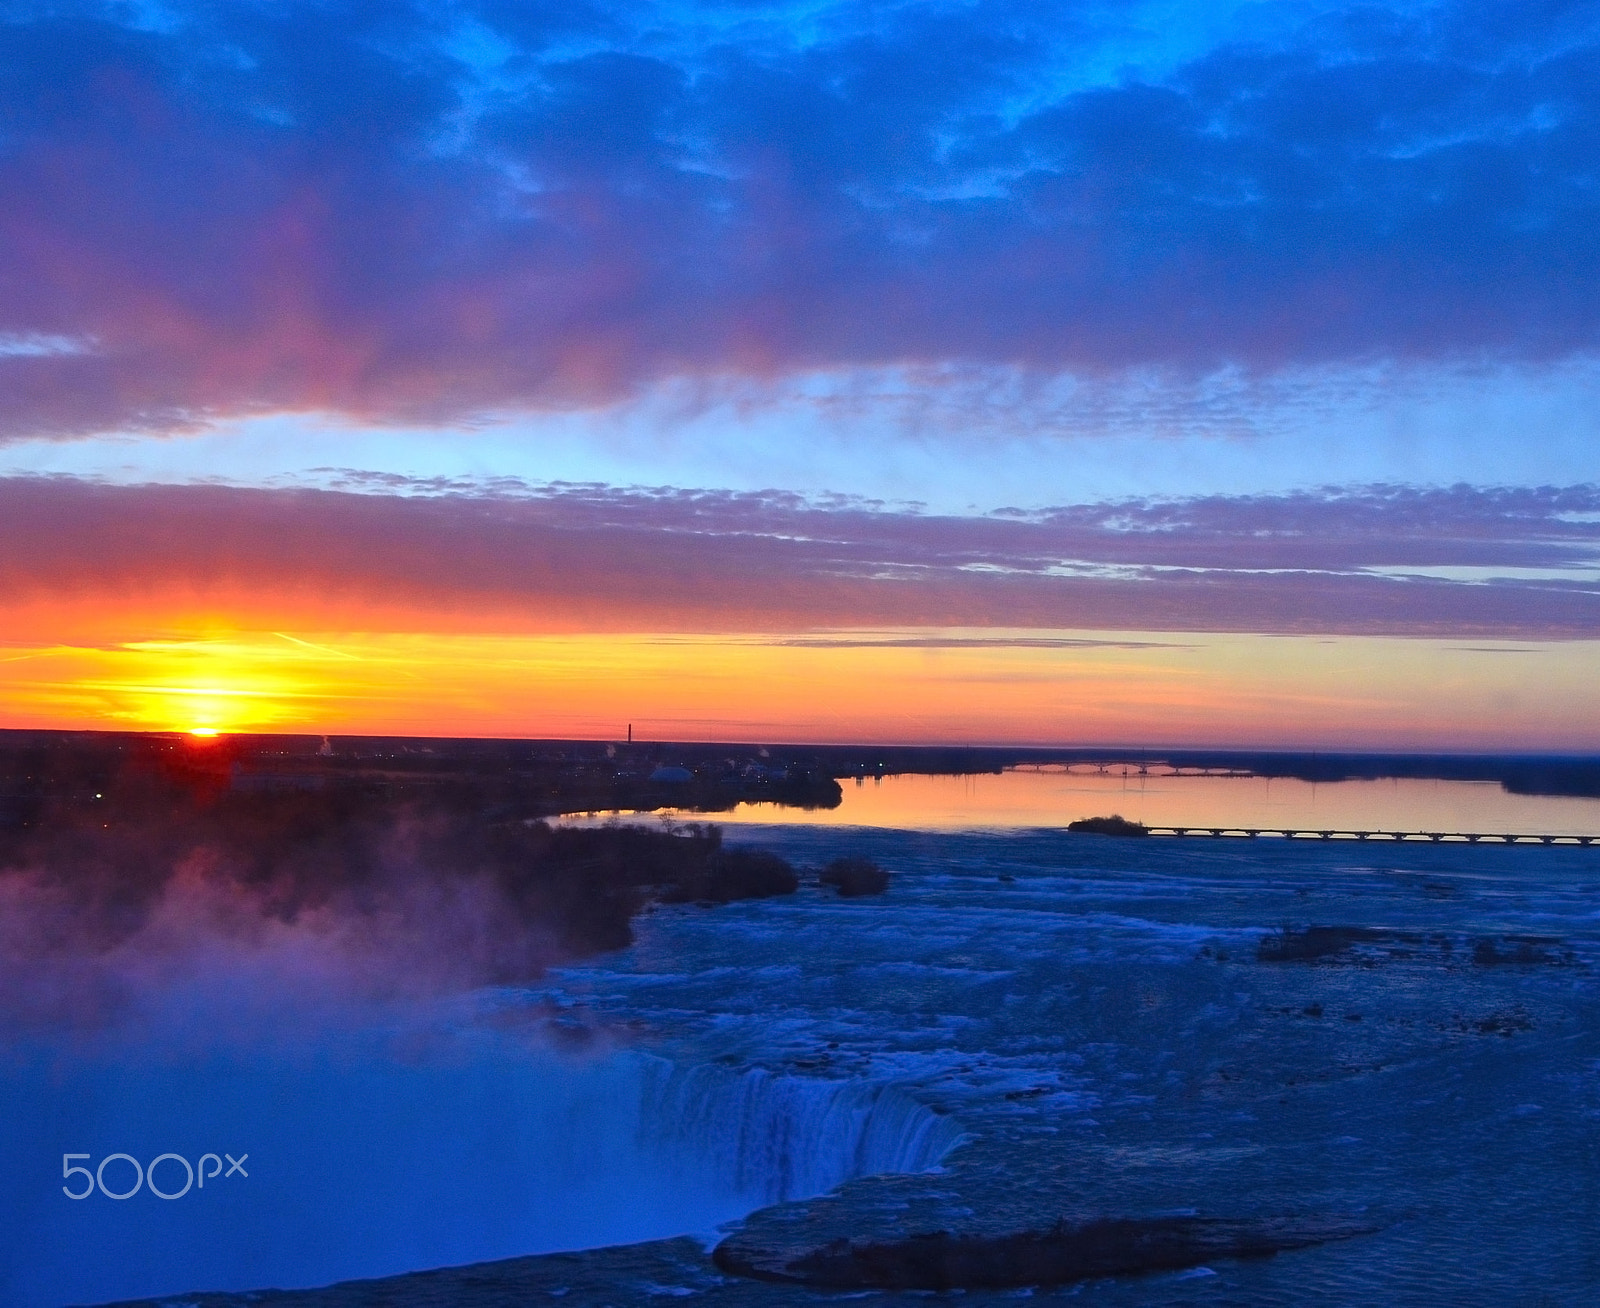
<point>1436,837</point>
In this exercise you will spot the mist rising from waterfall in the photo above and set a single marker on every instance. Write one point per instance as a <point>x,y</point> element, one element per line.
<point>394,1117</point>
<point>367,1158</point>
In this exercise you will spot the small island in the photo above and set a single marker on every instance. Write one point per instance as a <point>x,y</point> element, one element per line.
<point>1115,825</point>
<point>855,876</point>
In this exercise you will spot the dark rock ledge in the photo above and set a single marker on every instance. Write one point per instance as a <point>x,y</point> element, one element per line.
<point>636,1274</point>
<point>1051,1255</point>
<point>627,1274</point>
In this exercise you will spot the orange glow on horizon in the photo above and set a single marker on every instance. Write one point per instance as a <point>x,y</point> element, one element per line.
<point>1151,690</point>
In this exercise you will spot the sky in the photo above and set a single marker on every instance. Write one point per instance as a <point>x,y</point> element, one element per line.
<point>1131,373</point>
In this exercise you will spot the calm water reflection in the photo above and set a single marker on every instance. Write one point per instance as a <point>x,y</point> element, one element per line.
<point>1052,797</point>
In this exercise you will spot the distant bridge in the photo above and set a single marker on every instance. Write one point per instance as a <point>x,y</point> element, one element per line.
<point>1435,837</point>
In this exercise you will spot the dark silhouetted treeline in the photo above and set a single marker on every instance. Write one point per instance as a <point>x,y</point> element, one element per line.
<point>111,842</point>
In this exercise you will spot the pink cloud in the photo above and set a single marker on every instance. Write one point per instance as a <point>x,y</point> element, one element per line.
<point>1382,561</point>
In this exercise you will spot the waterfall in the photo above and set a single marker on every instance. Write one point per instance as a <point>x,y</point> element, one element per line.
<point>364,1164</point>
<point>771,1137</point>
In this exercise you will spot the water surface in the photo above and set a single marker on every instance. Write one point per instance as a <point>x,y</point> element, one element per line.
<point>1055,796</point>
<point>1055,1023</point>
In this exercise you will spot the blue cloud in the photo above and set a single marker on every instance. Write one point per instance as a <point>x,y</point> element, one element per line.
<point>409,210</point>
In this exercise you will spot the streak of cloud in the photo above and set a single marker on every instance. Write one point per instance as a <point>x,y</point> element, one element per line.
<point>1375,560</point>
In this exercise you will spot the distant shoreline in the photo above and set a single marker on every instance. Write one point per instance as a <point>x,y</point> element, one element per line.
<point>759,765</point>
